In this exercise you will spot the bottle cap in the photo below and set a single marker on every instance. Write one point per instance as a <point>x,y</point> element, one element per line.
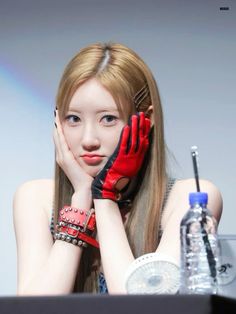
<point>198,198</point>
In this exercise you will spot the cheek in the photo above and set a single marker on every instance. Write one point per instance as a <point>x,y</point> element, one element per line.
<point>112,139</point>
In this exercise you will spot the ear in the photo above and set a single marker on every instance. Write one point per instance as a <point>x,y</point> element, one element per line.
<point>149,114</point>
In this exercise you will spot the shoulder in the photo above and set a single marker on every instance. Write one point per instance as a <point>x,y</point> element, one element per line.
<point>178,204</point>
<point>41,190</point>
<point>40,185</point>
<point>215,202</point>
<point>189,185</point>
<point>34,194</point>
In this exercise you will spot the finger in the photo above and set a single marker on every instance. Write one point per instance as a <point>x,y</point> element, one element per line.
<point>125,135</point>
<point>147,127</point>
<point>62,144</point>
<point>57,121</point>
<point>134,133</point>
<point>57,146</point>
<point>57,133</point>
<point>145,124</point>
<point>141,124</point>
<point>64,156</point>
<point>129,140</point>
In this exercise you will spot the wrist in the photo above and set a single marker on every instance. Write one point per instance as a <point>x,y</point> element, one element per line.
<point>76,226</point>
<point>82,198</point>
<point>105,203</point>
<point>85,187</point>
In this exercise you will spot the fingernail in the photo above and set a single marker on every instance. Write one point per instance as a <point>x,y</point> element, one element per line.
<point>54,113</point>
<point>55,124</point>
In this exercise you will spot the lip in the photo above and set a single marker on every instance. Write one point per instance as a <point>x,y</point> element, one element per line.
<point>92,159</point>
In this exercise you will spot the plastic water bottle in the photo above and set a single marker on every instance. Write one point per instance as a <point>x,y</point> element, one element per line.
<point>199,248</point>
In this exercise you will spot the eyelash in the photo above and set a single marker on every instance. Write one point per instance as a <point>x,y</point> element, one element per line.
<point>114,119</point>
<point>68,117</point>
<point>76,119</point>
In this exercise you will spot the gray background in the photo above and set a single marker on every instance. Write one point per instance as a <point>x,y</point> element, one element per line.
<point>190,47</point>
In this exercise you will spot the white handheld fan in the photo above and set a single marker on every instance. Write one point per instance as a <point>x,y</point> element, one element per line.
<point>153,273</point>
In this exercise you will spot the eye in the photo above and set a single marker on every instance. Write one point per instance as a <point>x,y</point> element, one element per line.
<point>72,119</point>
<point>109,120</point>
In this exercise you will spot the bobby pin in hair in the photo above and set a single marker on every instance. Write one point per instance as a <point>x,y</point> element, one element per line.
<point>140,96</point>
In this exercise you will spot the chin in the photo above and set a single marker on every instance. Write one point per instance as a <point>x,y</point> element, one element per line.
<point>93,172</point>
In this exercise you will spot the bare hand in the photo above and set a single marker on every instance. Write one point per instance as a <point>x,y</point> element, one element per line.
<point>66,160</point>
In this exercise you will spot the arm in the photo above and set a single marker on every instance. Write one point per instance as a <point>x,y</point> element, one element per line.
<point>115,251</point>
<point>44,267</point>
<point>124,163</point>
<point>176,208</point>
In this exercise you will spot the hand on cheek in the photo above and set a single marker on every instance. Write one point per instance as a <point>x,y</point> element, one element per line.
<point>66,160</point>
<point>126,160</point>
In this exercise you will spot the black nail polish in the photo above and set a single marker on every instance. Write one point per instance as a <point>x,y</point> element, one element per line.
<point>55,124</point>
<point>54,113</point>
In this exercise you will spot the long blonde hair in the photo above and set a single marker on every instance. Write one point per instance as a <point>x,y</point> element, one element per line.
<point>123,73</point>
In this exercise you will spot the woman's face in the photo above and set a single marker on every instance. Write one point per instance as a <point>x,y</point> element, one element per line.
<point>92,126</point>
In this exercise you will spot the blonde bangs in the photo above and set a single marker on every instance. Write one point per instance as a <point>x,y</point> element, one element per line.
<point>120,91</point>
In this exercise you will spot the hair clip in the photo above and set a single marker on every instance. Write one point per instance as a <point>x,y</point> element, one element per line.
<point>140,96</point>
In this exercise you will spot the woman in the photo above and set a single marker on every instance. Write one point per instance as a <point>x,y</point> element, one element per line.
<point>109,165</point>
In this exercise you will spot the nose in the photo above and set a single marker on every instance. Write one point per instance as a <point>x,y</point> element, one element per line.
<point>90,138</point>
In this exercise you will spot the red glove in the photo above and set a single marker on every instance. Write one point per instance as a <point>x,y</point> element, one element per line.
<point>126,160</point>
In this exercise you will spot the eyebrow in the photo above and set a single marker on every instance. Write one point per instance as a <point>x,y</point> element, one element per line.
<point>108,109</point>
<point>99,111</point>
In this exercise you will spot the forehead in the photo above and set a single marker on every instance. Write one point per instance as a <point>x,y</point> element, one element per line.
<point>92,95</point>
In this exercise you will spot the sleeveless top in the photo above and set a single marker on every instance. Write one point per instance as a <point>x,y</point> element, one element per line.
<point>102,286</point>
